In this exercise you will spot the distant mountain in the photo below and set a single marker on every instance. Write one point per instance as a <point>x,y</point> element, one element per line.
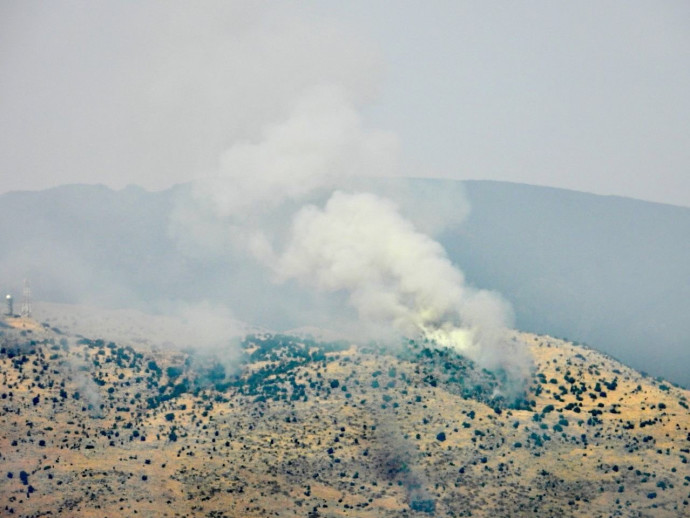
<point>286,426</point>
<point>605,270</point>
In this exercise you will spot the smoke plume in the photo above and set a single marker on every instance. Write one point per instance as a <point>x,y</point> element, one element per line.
<point>318,145</point>
<point>278,201</point>
<point>391,273</point>
<point>396,459</point>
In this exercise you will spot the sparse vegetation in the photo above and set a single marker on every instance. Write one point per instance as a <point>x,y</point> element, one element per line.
<point>303,428</point>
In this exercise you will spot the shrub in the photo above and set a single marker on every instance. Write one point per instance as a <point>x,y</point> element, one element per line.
<point>174,372</point>
<point>423,505</point>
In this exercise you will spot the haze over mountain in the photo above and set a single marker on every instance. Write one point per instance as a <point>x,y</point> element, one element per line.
<point>270,317</point>
<point>590,96</point>
<point>609,271</point>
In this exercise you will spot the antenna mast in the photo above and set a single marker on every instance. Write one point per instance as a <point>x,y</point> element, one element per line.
<point>26,303</point>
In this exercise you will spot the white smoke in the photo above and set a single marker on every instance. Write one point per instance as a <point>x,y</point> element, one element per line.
<point>268,196</point>
<point>393,275</point>
<point>319,144</point>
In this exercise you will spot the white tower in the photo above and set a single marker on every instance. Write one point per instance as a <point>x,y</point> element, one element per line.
<point>26,303</point>
<point>10,305</point>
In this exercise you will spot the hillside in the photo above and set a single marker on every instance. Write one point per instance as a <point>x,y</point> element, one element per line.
<point>602,270</point>
<point>286,426</point>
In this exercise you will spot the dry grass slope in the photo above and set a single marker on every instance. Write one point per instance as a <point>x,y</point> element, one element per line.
<point>95,428</point>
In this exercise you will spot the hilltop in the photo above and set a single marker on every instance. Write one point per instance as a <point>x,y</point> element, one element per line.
<point>279,425</point>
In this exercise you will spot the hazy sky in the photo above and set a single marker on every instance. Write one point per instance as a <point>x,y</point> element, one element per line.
<point>584,95</point>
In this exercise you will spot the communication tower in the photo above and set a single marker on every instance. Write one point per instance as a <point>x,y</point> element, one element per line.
<point>26,303</point>
<point>10,305</point>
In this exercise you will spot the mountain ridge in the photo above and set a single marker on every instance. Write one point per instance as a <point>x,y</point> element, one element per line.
<point>595,269</point>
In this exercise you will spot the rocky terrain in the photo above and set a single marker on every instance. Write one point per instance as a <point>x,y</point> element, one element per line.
<point>288,426</point>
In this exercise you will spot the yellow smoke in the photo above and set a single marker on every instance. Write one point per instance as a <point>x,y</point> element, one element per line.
<point>458,339</point>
